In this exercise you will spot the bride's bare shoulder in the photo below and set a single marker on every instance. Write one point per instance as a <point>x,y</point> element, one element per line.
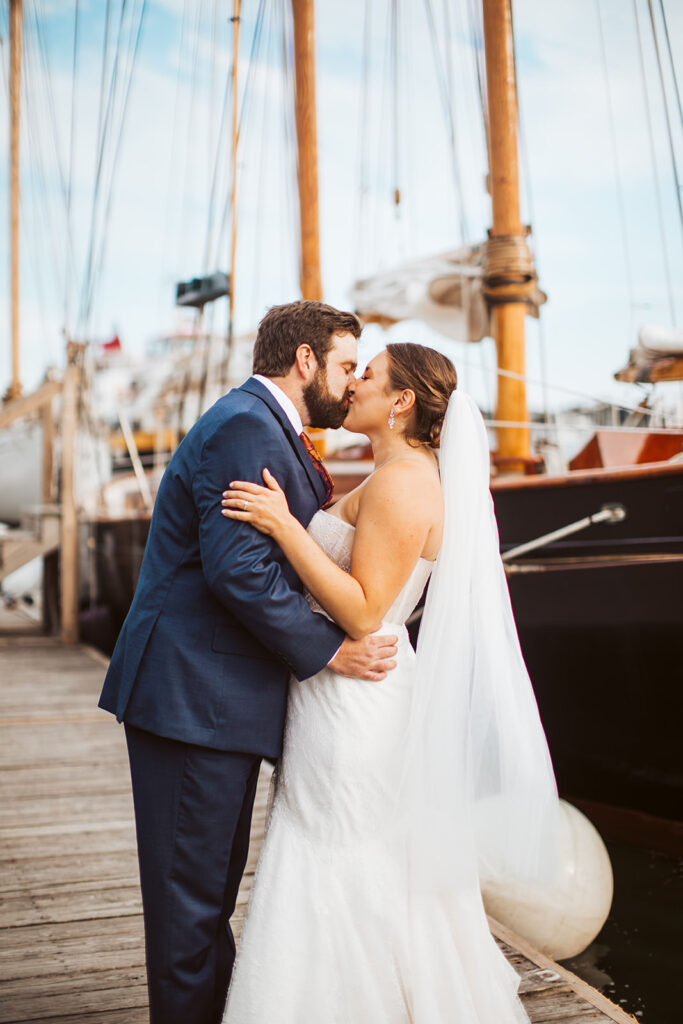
<point>414,478</point>
<point>402,502</point>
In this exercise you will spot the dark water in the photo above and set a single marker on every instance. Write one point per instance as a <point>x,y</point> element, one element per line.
<point>637,959</point>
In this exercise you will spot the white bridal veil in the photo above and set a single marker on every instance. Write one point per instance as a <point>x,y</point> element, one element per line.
<point>480,791</point>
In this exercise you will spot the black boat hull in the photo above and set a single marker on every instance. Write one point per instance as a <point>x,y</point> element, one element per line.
<point>600,621</point>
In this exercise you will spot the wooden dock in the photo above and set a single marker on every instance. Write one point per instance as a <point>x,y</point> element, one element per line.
<point>71,939</point>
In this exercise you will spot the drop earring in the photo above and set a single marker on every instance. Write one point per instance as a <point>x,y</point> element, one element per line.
<point>392,420</point>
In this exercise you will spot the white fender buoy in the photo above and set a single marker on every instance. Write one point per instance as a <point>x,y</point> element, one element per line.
<point>561,919</point>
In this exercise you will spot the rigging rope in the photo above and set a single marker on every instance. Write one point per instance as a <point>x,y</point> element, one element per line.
<point>51,131</point>
<point>215,157</point>
<point>570,391</point>
<point>534,425</point>
<point>474,14</point>
<point>452,36</point>
<point>255,47</point>
<point>103,74</point>
<point>72,135</point>
<point>258,226</point>
<point>665,104</point>
<point>396,175</point>
<point>95,267</point>
<point>617,169</point>
<point>358,263</point>
<point>101,149</point>
<point>38,136</point>
<point>380,148</point>
<point>234,151</point>
<point>47,76</point>
<point>445,83</point>
<point>115,160</point>
<point>244,108</point>
<point>290,156</point>
<point>172,179</point>
<point>671,61</point>
<point>213,78</point>
<point>274,48</point>
<point>4,70</point>
<point>527,179</point>
<point>37,226</point>
<point>216,170</point>
<point>655,169</point>
<point>188,153</point>
<point>384,135</point>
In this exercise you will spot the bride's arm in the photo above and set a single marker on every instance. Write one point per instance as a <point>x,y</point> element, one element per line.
<point>394,519</point>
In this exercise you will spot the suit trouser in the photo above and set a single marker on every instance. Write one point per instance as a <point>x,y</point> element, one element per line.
<point>193,808</point>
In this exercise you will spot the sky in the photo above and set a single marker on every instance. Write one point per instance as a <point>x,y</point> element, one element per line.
<point>599,196</point>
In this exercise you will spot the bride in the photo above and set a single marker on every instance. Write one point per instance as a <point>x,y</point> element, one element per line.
<point>394,800</point>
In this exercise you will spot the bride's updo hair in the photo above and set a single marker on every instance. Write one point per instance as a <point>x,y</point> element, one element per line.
<point>432,377</point>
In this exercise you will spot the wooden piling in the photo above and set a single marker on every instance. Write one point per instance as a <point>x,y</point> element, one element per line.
<point>69,523</point>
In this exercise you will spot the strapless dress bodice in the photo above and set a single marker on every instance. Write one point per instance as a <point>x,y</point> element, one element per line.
<point>335,537</point>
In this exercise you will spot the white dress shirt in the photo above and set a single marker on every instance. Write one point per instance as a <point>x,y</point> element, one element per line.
<point>291,412</point>
<point>284,401</point>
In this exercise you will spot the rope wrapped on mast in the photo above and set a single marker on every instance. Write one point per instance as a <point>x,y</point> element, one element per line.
<point>509,273</point>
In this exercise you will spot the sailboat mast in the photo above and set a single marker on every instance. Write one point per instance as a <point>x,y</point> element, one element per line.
<point>15,19</point>
<point>306,132</point>
<point>307,163</point>
<point>507,253</point>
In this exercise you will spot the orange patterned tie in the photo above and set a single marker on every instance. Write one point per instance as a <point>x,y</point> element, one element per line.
<point>319,468</point>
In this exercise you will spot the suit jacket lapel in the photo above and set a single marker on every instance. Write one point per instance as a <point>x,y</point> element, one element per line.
<point>255,387</point>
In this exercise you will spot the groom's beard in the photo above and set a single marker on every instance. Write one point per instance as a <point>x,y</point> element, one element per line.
<point>324,410</point>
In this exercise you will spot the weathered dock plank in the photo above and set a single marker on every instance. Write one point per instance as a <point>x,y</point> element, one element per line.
<point>71,937</point>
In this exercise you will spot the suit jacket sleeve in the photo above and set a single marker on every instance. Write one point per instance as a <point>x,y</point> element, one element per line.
<point>238,562</point>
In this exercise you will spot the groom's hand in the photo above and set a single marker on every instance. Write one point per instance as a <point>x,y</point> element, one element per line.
<point>370,658</point>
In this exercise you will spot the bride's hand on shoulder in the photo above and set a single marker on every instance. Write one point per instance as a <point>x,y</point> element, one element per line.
<point>265,508</point>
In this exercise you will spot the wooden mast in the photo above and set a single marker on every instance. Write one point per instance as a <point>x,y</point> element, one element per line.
<point>15,19</point>
<point>307,163</point>
<point>304,69</point>
<point>506,269</point>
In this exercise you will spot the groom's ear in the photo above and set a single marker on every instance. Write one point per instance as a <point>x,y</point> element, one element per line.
<point>305,361</point>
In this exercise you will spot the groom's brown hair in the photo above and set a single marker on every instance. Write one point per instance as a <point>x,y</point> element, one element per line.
<point>285,327</point>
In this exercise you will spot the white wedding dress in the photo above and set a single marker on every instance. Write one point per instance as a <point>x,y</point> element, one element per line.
<point>336,932</point>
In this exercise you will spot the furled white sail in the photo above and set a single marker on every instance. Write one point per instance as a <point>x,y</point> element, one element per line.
<point>444,291</point>
<point>660,341</point>
<point>657,356</point>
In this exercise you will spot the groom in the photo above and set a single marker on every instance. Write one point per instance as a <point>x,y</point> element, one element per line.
<point>199,674</point>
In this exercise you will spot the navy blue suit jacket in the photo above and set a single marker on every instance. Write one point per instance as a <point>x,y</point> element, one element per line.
<point>218,622</point>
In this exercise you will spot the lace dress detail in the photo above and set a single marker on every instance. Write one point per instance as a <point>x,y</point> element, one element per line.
<point>327,938</point>
<point>335,537</point>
